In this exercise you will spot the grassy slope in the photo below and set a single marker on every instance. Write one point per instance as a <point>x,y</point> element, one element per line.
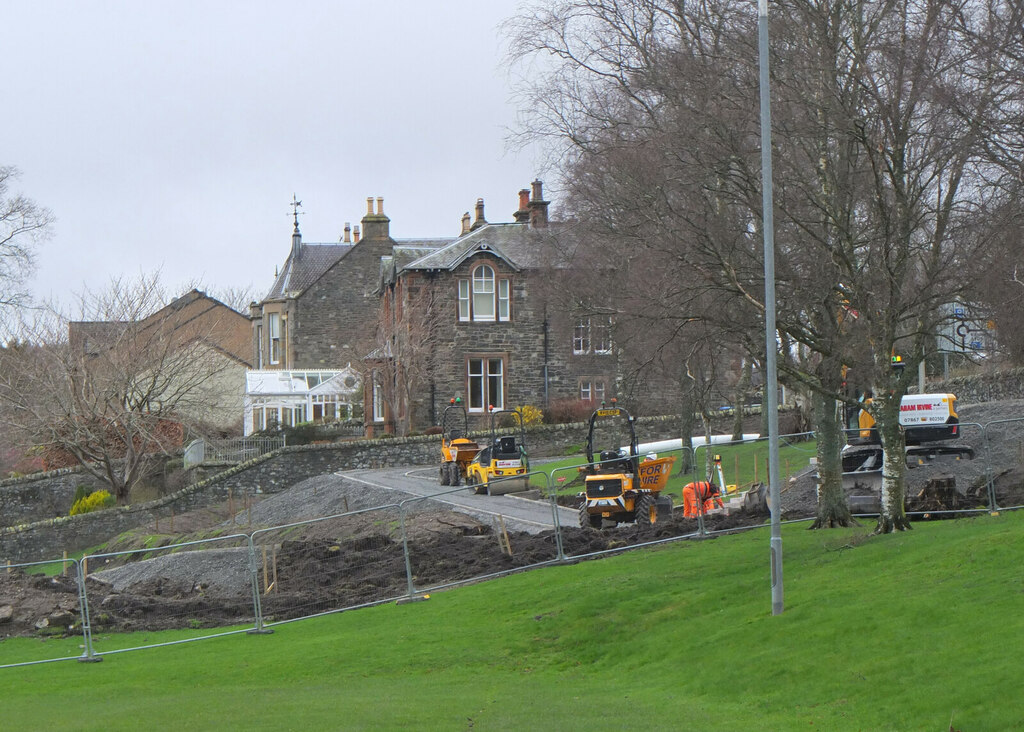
<point>898,632</point>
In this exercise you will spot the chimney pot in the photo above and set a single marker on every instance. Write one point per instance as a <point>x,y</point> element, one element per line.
<point>380,205</point>
<point>355,234</point>
<point>348,233</point>
<point>465,224</point>
<point>522,216</point>
<point>480,220</point>
<point>538,207</point>
<point>369,205</point>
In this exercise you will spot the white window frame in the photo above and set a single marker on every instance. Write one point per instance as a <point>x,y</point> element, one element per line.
<point>465,312</point>
<point>274,337</point>
<point>378,402</point>
<point>483,293</point>
<point>485,297</point>
<point>485,383</point>
<point>592,390</point>
<point>592,334</point>
<point>259,346</point>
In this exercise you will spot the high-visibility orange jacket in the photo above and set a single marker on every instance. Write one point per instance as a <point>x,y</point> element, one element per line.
<point>699,497</point>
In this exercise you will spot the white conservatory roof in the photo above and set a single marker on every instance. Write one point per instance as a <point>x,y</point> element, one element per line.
<point>301,382</point>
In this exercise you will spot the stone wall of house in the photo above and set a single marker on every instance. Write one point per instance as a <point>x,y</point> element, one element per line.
<point>333,321</point>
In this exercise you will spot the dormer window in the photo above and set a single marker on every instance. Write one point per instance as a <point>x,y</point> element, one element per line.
<point>484,297</point>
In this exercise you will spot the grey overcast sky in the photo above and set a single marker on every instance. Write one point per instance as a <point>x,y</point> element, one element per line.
<point>171,134</point>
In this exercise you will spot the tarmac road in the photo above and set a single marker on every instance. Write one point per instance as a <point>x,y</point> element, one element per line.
<point>518,513</point>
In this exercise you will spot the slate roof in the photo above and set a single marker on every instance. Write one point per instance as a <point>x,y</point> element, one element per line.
<point>518,244</point>
<point>296,275</point>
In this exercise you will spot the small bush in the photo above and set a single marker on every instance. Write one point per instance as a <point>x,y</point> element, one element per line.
<point>566,411</point>
<point>93,502</point>
<point>530,414</point>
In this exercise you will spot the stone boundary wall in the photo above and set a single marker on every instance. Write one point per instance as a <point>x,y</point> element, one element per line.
<point>978,388</point>
<point>47,539</point>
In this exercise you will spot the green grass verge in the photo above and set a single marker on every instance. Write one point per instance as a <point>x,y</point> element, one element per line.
<point>743,464</point>
<point>900,632</point>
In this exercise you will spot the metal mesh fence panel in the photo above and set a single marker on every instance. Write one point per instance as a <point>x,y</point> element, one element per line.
<point>45,600</point>
<point>1004,462</point>
<point>490,544</point>
<point>331,563</point>
<point>205,586</point>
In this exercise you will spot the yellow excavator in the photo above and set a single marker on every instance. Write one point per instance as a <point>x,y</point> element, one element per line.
<point>457,450</point>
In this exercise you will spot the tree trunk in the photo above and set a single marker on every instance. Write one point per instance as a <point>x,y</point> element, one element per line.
<point>833,509</point>
<point>892,517</point>
<point>739,399</point>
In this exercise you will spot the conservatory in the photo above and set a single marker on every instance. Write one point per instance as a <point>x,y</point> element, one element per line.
<point>287,398</point>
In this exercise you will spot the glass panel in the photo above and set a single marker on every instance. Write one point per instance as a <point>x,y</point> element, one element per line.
<point>476,384</point>
<point>463,299</point>
<point>495,386</point>
<point>503,300</point>
<point>581,337</point>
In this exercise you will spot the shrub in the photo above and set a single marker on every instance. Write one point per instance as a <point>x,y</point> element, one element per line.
<point>565,411</point>
<point>530,414</point>
<point>93,502</point>
<point>433,430</point>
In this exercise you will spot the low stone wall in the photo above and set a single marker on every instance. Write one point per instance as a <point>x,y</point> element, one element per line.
<point>42,494</point>
<point>978,388</point>
<point>49,532</point>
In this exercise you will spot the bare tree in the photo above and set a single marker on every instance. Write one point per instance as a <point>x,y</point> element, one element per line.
<point>117,387</point>
<point>404,351</point>
<point>23,224</point>
<point>898,136</point>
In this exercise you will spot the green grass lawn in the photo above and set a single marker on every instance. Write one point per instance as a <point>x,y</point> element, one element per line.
<point>743,464</point>
<point>899,632</point>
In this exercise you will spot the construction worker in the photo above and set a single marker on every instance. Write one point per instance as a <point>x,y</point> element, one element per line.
<point>700,497</point>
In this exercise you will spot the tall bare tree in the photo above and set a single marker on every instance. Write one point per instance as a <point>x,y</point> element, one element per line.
<point>897,137</point>
<point>23,224</point>
<point>115,387</point>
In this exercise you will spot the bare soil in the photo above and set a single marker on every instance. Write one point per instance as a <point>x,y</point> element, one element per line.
<point>358,558</point>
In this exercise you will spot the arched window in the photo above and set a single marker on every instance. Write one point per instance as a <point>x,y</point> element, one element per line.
<point>483,293</point>
<point>484,296</point>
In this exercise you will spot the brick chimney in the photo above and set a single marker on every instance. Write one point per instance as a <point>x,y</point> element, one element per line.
<point>522,216</point>
<point>465,224</point>
<point>480,220</point>
<point>375,225</point>
<point>538,206</point>
<point>355,234</point>
<point>347,238</point>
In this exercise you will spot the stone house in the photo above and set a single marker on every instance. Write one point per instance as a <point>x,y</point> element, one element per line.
<point>479,316</point>
<point>500,332</point>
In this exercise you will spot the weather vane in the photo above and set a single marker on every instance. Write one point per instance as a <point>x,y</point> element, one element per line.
<point>295,210</point>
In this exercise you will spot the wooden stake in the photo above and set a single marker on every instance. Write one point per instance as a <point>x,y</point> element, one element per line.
<point>64,565</point>
<point>85,566</point>
<point>503,541</point>
<point>274,561</point>
<point>344,503</point>
<point>8,566</point>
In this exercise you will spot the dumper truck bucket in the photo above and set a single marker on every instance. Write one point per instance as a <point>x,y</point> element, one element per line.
<point>654,473</point>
